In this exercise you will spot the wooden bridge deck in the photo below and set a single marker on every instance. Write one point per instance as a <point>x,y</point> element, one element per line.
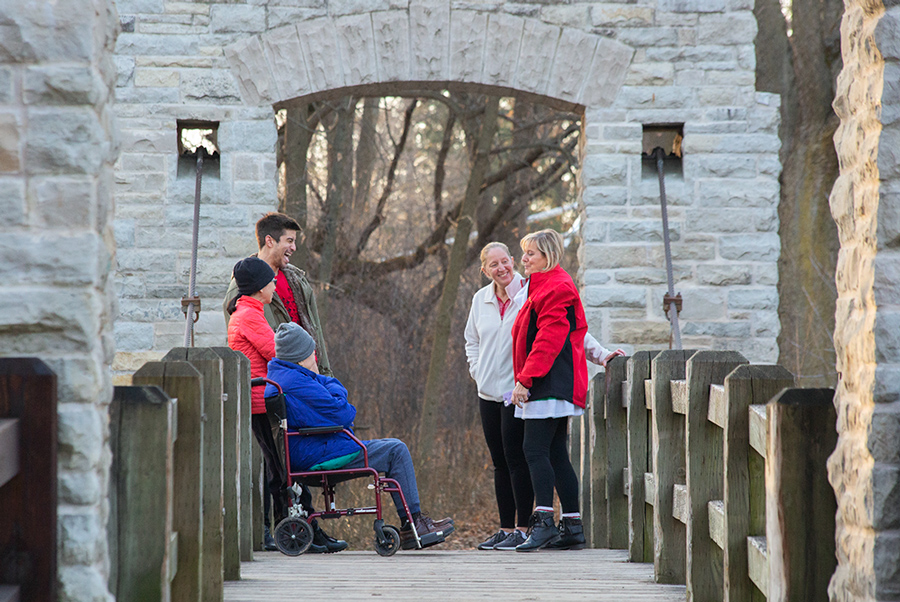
<point>596,575</point>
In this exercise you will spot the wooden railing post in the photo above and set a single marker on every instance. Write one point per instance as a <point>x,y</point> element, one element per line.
<point>597,530</point>
<point>800,503</point>
<point>181,381</point>
<point>28,498</point>
<point>248,441</point>
<point>640,519</point>
<point>143,429</point>
<point>669,536</point>
<point>209,364</point>
<point>617,455</point>
<point>704,463</point>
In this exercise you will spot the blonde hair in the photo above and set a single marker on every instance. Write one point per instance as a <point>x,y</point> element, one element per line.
<point>489,247</point>
<point>549,243</point>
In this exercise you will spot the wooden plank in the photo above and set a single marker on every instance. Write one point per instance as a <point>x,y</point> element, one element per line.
<point>648,394</point>
<point>639,530</point>
<point>596,532</point>
<point>209,364</point>
<point>667,449</point>
<point>142,438</point>
<point>28,520</point>
<point>257,475</point>
<point>248,441</point>
<point>758,569</point>
<point>759,428</point>
<point>680,503</point>
<point>181,381</point>
<point>744,495</point>
<point>716,509</point>
<point>704,448</point>
<point>649,489</point>
<point>717,405</point>
<point>9,449</point>
<point>800,502</point>
<point>679,394</point>
<point>617,454</point>
<point>232,427</point>
<point>626,482</point>
<point>9,593</point>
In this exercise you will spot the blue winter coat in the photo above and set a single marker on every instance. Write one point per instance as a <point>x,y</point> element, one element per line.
<point>313,400</point>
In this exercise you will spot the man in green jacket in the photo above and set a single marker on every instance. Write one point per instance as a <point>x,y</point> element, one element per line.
<point>294,301</point>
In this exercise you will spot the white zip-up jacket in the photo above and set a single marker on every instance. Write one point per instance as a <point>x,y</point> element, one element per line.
<point>489,341</point>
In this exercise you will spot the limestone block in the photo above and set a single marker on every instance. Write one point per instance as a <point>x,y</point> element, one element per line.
<point>726,29</point>
<point>231,18</point>
<point>578,15</point>
<point>357,49</point>
<point>693,250</point>
<point>730,77</point>
<point>133,336</point>
<point>81,537</point>
<point>9,142</point>
<point>886,502</point>
<point>752,298</point>
<point>254,193</point>
<point>731,329</point>
<point>144,260</point>
<point>566,78</point>
<point>321,49</point>
<point>612,296</point>
<point>153,310</point>
<point>732,143</point>
<point>887,336</point>
<point>693,6</point>
<point>58,31</point>
<point>698,166</point>
<point>887,565</point>
<point>750,247</point>
<point>724,274</point>
<point>75,581</point>
<point>639,37</point>
<point>714,220</point>
<point>215,86</point>
<point>141,162</point>
<point>595,277</point>
<point>608,256</point>
<point>124,70</point>
<point>468,30</point>
<point>145,44</point>
<point>284,16</point>
<point>79,488</point>
<point>429,34</point>
<point>539,42</point>
<point>641,231</point>
<point>605,170</point>
<point>639,332</point>
<point>248,64</point>
<point>147,96</point>
<point>7,90</point>
<point>607,74</point>
<point>156,78</point>
<point>504,37</point>
<point>80,436</point>
<point>124,233</point>
<point>12,201</point>
<point>652,276</point>
<point>288,63</point>
<point>338,8</point>
<point>391,31</point>
<point>619,15</point>
<point>222,216</point>
<point>650,74</point>
<point>63,202</point>
<point>248,136</point>
<point>58,85</point>
<point>731,192</point>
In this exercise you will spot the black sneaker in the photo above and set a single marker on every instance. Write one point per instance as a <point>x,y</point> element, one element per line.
<point>490,542</point>
<point>571,535</point>
<point>516,538</point>
<point>323,543</point>
<point>542,531</point>
<point>269,541</point>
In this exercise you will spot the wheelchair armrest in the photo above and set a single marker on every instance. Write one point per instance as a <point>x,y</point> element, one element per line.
<point>319,430</point>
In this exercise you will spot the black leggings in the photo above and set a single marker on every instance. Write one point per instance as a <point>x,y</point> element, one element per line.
<point>512,482</point>
<point>547,453</point>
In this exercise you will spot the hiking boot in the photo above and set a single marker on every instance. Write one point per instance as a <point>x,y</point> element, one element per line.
<point>542,531</point>
<point>323,543</point>
<point>430,533</point>
<point>269,541</point>
<point>490,542</point>
<point>571,535</point>
<point>512,541</point>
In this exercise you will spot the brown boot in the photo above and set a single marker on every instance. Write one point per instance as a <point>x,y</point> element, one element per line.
<point>429,532</point>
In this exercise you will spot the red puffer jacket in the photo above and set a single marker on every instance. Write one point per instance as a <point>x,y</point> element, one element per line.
<point>249,333</point>
<point>548,339</point>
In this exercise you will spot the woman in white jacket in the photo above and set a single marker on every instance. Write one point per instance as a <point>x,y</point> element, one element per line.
<point>489,353</point>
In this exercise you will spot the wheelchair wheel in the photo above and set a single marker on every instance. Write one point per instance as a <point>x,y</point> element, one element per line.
<point>391,542</point>
<point>293,536</point>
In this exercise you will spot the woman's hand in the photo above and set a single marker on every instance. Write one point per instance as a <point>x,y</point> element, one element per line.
<point>519,395</point>
<point>609,357</point>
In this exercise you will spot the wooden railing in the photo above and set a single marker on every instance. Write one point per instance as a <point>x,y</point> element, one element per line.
<point>28,499</point>
<point>182,504</point>
<point>688,453</point>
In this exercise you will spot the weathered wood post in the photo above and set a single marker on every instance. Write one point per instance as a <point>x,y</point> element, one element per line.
<point>181,381</point>
<point>209,364</point>
<point>596,532</point>
<point>246,459</point>
<point>704,463</point>
<point>28,481</point>
<point>743,493</point>
<point>800,502</point>
<point>143,546</point>
<point>669,536</point>
<point>617,455</point>
<point>640,518</point>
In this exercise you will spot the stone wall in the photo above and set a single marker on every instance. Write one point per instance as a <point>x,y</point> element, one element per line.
<point>865,467</point>
<point>57,147</point>
<point>686,61</point>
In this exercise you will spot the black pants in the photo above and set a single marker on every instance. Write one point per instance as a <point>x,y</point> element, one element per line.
<point>276,475</point>
<point>546,451</point>
<point>512,482</point>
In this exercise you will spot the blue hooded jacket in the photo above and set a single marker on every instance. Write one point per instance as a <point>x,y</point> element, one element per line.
<point>313,400</point>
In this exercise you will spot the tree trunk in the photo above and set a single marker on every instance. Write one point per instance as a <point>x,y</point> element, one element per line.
<point>456,265</point>
<point>297,138</point>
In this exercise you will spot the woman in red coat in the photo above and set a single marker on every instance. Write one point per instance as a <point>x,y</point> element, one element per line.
<point>551,385</point>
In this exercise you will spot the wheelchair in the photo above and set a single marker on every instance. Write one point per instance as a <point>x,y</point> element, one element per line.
<point>294,534</point>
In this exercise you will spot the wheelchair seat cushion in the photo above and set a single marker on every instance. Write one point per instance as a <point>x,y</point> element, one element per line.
<point>336,463</point>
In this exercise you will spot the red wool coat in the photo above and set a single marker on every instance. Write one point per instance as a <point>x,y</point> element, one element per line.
<point>548,339</point>
<point>250,333</point>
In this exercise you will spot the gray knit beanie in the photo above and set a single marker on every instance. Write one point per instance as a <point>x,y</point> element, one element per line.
<point>292,343</point>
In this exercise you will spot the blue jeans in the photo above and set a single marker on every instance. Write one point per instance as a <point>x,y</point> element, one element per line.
<point>391,456</point>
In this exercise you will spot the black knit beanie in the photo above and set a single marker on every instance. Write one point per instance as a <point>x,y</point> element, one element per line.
<point>252,275</point>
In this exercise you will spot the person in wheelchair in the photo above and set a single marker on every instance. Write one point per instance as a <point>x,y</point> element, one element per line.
<point>316,400</point>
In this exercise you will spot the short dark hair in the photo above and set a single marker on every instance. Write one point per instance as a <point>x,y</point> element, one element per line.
<point>274,224</point>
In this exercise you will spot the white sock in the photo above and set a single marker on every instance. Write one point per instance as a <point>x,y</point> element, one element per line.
<point>571,515</point>
<point>543,509</point>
